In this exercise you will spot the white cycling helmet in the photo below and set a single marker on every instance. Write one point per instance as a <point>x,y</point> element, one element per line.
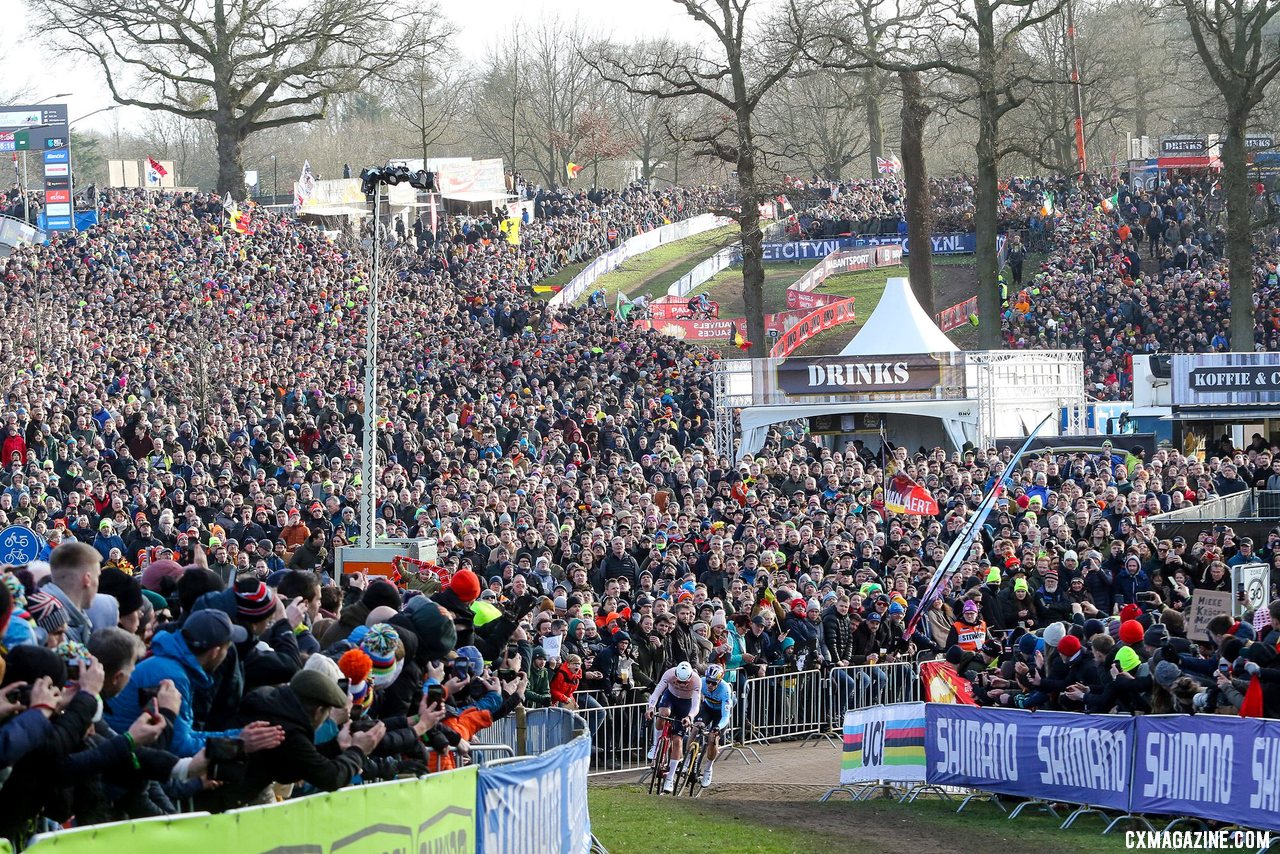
<point>684,671</point>
<point>714,673</point>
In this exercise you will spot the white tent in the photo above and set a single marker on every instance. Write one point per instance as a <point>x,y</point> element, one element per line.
<point>898,325</point>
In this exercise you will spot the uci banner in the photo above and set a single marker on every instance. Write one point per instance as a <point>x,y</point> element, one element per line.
<point>883,743</point>
<point>537,804</point>
<point>1210,766</point>
<point>1057,756</point>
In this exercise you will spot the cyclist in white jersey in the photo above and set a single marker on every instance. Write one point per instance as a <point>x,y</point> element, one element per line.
<point>678,695</point>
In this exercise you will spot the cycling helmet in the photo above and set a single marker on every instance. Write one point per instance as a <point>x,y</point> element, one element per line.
<point>714,673</point>
<point>684,671</point>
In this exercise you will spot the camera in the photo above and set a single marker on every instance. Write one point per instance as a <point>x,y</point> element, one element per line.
<point>506,674</point>
<point>226,759</point>
<point>20,695</point>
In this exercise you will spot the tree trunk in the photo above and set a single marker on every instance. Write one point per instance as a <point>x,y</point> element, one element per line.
<point>1140,110</point>
<point>752,246</point>
<point>1235,185</point>
<point>985,256</point>
<point>915,112</point>
<point>875,123</point>
<point>230,158</point>
<point>985,193</point>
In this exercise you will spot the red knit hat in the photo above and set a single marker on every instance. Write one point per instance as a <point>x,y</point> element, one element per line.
<point>1068,646</point>
<point>1131,632</point>
<point>1130,612</point>
<point>465,585</point>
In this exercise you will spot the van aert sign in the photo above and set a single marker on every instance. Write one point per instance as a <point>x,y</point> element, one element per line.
<point>858,374</point>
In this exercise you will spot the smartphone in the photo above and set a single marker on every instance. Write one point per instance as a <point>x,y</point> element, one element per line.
<point>147,696</point>
<point>73,669</point>
<point>435,694</point>
<point>506,674</point>
<point>1224,668</point>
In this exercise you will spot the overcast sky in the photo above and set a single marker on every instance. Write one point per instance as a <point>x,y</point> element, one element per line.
<point>27,63</point>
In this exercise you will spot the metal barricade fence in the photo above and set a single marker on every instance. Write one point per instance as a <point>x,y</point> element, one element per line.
<point>528,732</point>
<point>620,737</point>
<point>861,686</point>
<point>782,705</point>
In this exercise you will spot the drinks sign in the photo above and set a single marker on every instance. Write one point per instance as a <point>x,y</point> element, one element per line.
<point>858,374</point>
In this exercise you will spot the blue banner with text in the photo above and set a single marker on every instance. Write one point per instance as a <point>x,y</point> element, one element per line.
<point>1057,756</point>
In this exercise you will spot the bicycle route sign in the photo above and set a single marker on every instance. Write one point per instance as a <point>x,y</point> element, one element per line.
<point>19,545</point>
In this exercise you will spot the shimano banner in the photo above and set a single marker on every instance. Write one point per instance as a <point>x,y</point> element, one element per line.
<point>803,250</point>
<point>1210,766</point>
<point>1057,756</point>
<point>537,804</point>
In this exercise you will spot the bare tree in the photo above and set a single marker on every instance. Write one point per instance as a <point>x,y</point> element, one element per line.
<point>1235,41</point>
<point>427,95</point>
<point>499,105</point>
<point>740,68</point>
<point>975,42</point>
<point>919,207</point>
<point>244,66</point>
<point>814,121</point>
<point>559,86</point>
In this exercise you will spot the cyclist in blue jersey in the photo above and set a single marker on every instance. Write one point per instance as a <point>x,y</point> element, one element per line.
<point>715,712</point>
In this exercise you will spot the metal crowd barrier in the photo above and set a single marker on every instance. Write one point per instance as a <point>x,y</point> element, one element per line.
<point>528,732</point>
<point>620,737</point>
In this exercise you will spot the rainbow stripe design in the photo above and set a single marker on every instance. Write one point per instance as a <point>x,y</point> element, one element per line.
<point>903,743</point>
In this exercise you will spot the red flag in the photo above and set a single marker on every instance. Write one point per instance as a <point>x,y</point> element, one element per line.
<point>156,167</point>
<point>906,496</point>
<point>942,684</point>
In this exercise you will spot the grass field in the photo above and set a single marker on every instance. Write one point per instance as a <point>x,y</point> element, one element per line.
<point>953,282</point>
<point>627,819</point>
<point>656,269</point>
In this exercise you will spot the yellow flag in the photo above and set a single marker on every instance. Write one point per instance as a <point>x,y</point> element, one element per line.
<point>511,228</point>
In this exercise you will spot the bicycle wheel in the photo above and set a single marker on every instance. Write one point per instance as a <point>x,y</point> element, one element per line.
<point>659,764</point>
<point>697,753</point>
<point>684,769</point>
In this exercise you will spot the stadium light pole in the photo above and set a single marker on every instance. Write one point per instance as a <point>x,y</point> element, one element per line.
<point>371,183</point>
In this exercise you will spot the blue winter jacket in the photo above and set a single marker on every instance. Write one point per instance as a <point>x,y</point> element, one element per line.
<point>170,658</point>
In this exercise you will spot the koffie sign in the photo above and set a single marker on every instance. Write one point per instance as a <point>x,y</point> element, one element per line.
<point>1244,378</point>
<point>1200,379</point>
<point>858,374</point>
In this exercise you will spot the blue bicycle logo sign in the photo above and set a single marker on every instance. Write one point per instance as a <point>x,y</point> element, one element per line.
<point>19,545</point>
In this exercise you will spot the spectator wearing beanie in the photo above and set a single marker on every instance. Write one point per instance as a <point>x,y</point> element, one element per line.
<point>380,592</point>
<point>127,592</point>
<point>50,618</point>
<point>270,654</point>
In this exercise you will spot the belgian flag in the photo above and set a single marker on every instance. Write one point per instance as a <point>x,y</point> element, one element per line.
<point>737,339</point>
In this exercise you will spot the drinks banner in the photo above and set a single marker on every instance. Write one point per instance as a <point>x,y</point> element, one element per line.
<point>537,804</point>
<point>1210,766</point>
<point>884,743</point>
<point>1058,756</point>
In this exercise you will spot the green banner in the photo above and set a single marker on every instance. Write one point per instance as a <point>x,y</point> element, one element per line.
<point>433,814</point>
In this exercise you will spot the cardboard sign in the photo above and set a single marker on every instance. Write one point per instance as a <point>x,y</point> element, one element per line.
<point>1205,605</point>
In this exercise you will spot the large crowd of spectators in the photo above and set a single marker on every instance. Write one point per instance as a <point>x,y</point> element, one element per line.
<point>1130,272</point>
<point>182,425</point>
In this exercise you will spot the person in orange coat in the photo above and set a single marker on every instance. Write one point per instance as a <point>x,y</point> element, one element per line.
<point>565,682</point>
